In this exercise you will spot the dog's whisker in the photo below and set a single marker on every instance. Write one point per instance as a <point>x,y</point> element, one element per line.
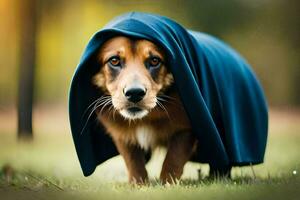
<point>110,110</point>
<point>167,96</point>
<point>103,102</point>
<point>163,108</point>
<point>161,99</point>
<point>169,99</point>
<point>114,113</point>
<point>86,122</point>
<point>87,109</point>
<point>97,103</point>
<point>106,104</point>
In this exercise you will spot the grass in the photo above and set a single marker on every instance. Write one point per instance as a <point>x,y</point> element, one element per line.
<point>48,168</point>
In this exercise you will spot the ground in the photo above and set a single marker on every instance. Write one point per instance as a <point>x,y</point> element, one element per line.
<point>48,168</point>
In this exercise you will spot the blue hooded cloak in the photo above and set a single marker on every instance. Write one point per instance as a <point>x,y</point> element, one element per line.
<point>221,95</point>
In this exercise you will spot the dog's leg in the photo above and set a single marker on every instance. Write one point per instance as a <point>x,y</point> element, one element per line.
<point>135,161</point>
<point>180,149</point>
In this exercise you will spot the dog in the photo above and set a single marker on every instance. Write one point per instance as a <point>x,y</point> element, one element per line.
<point>149,82</point>
<point>141,109</point>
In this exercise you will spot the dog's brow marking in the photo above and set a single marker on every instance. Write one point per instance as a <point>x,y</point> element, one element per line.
<point>108,54</point>
<point>144,136</point>
<point>151,54</point>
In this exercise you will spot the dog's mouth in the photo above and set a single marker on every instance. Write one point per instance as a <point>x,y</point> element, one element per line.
<point>134,109</point>
<point>133,112</point>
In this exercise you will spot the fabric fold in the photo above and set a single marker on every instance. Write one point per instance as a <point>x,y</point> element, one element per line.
<point>221,95</point>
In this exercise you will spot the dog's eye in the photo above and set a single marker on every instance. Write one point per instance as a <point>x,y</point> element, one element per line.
<point>115,61</point>
<point>154,62</point>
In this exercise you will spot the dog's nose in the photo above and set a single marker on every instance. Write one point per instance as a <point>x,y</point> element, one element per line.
<point>135,94</point>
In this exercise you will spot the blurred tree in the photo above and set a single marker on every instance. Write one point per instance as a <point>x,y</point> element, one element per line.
<point>26,67</point>
<point>291,25</point>
<point>217,17</point>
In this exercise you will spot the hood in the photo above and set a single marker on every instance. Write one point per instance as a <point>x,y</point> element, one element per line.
<point>220,93</point>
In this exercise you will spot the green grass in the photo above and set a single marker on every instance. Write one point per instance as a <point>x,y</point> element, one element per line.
<point>48,168</point>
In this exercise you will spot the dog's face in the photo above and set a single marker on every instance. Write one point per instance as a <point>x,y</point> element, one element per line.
<point>133,73</point>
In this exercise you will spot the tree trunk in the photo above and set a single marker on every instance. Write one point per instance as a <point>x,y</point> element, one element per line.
<point>26,67</point>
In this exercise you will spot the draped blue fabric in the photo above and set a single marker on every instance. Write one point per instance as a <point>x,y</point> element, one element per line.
<point>220,93</point>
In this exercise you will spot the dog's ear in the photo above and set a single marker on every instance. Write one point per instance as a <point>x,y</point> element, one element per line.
<point>168,80</point>
<point>99,80</point>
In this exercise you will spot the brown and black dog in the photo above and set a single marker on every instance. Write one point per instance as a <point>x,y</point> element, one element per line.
<point>139,110</point>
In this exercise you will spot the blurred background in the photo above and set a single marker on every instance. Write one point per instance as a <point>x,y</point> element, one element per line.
<point>265,32</point>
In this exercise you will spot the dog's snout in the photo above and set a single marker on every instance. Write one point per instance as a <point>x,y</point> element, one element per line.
<point>135,94</point>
